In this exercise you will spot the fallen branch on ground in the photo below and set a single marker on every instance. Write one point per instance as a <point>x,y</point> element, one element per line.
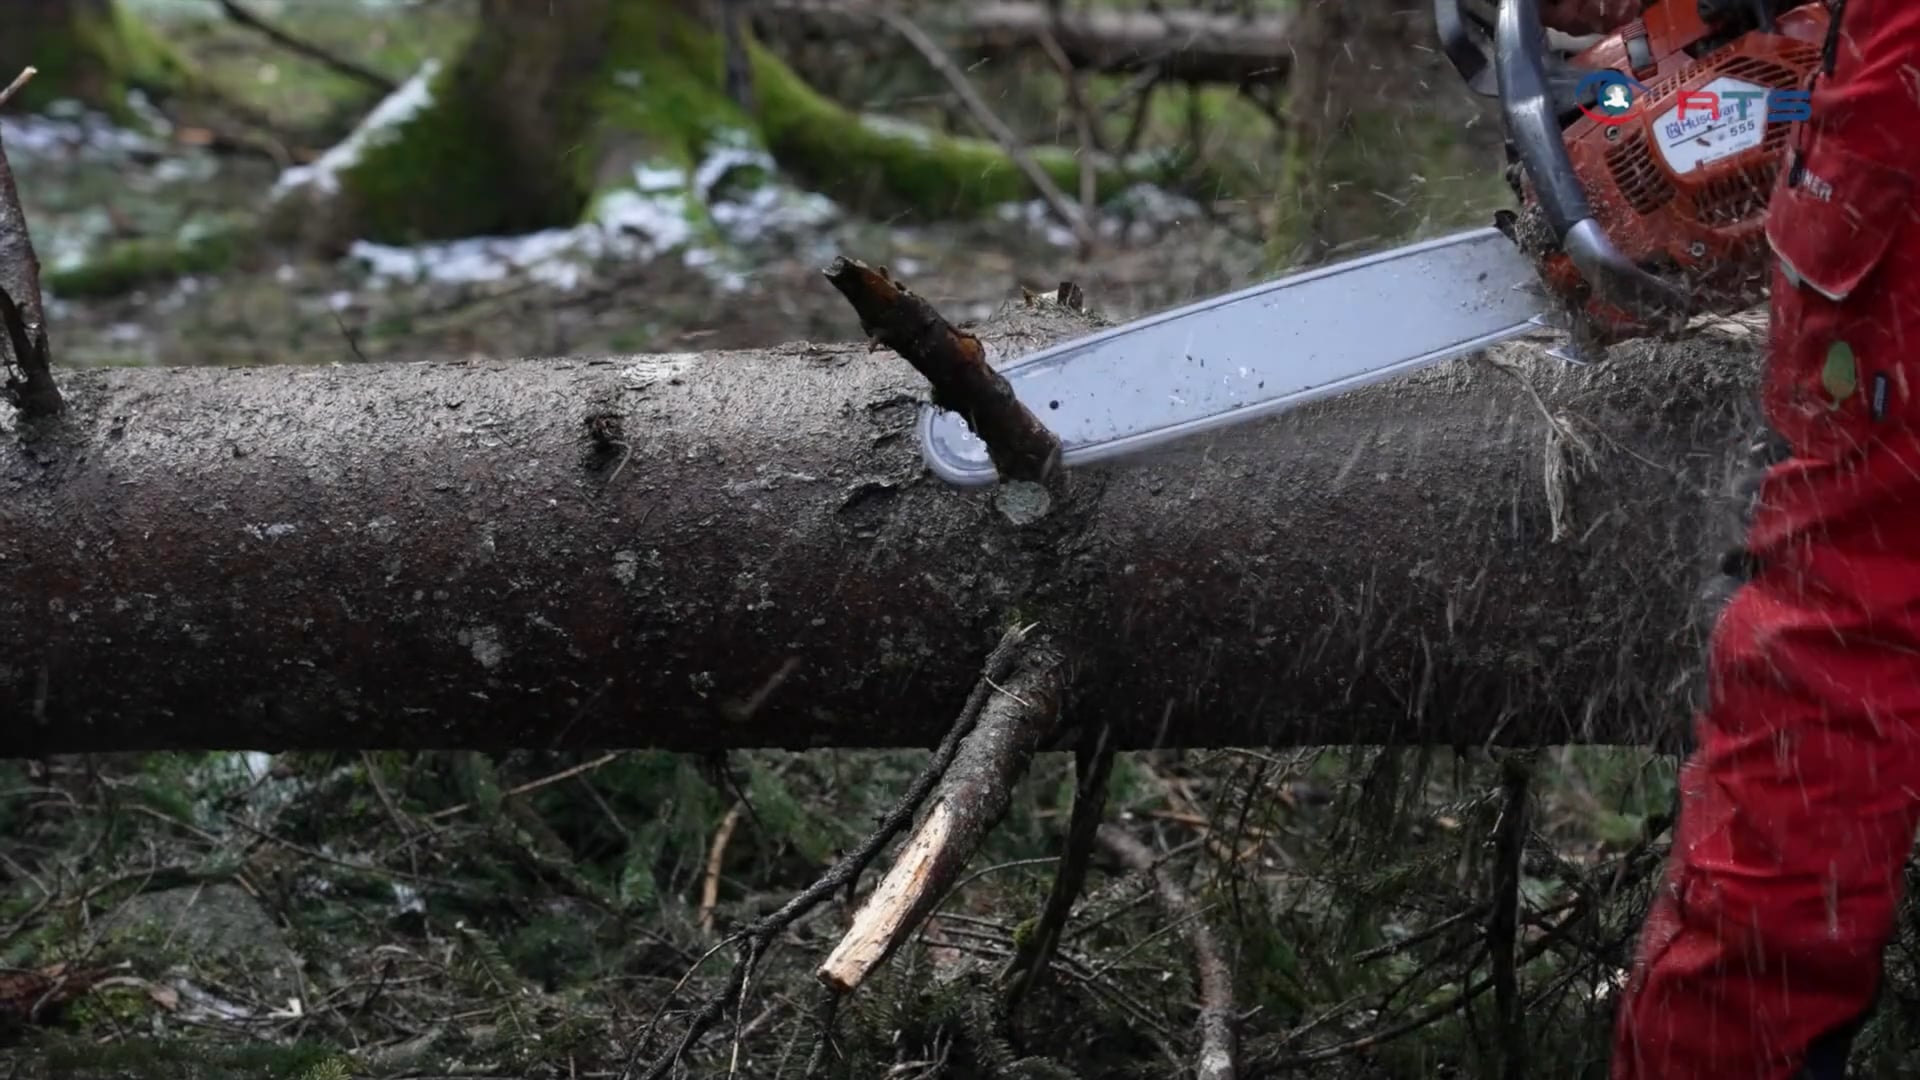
<point>989,122</point>
<point>1213,978</point>
<point>973,796</point>
<point>301,47</point>
<point>1189,45</point>
<point>1093,766</point>
<point>752,941</point>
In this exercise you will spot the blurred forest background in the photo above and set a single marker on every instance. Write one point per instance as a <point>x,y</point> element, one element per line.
<point>219,182</point>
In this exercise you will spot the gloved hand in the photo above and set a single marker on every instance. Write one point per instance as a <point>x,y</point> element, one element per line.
<point>1588,16</point>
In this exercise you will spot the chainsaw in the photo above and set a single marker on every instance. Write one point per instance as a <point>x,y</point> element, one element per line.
<point>1642,203</point>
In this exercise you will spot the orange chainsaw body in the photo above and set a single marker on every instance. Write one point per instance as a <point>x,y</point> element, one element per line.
<point>1700,222</point>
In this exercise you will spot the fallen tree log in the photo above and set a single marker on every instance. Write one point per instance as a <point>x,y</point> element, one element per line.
<point>1179,45</point>
<point>624,551</point>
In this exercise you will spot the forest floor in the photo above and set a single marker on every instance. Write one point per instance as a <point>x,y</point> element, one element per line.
<point>323,916</point>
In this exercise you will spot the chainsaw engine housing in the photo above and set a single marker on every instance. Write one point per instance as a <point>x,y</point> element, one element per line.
<point>1688,205</point>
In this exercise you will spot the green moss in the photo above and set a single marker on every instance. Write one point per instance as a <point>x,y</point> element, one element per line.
<point>658,98</point>
<point>114,1006</point>
<point>872,161</point>
<point>103,54</point>
<point>440,175</point>
<point>132,51</point>
<point>131,264</point>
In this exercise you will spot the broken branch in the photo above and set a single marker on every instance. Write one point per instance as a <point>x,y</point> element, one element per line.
<point>308,49</point>
<point>1181,45</point>
<point>1217,1024</point>
<point>752,941</point>
<point>990,122</point>
<point>974,795</point>
<point>26,76</point>
<point>955,363</point>
<point>1093,765</point>
<point>22,313</point>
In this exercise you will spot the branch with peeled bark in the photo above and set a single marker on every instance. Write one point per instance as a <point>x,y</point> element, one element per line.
<point>616,552</point>
<point>974,794</point>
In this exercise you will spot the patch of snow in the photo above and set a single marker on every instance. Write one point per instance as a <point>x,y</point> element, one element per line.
<point>407,899</point>
<point>91,136</point>
<point>650,178</point>
<point>177,170</point>
<point>645,223</point>
<point>1139,214</point>
<point>149,113</point>
<point>652,218</point>
<point>413,97</point>
<point>1037,217</point>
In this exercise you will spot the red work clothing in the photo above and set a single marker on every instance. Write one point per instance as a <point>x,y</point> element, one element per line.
<point>1800,802</point>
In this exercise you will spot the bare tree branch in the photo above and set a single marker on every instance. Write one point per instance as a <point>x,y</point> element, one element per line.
<point>23,318</point>
<point>984,116</point>
<point>352,69</point>
<point>1213,978</point>
<point>1182,45</point>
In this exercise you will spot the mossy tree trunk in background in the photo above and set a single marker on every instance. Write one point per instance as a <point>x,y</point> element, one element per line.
<point>90,50</point>
<point>1384,141</point>
<point>552,106</point>
<point>496,150</point>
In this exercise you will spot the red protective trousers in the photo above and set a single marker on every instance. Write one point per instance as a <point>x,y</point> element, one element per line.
<point>1800,802</point>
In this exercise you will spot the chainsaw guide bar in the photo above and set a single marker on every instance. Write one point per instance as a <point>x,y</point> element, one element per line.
<point>1257,352</point>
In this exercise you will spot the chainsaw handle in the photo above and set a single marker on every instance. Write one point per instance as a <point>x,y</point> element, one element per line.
<point>1533,124</point>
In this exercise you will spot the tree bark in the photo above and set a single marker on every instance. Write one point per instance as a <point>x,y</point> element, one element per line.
<point>618,552</point>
